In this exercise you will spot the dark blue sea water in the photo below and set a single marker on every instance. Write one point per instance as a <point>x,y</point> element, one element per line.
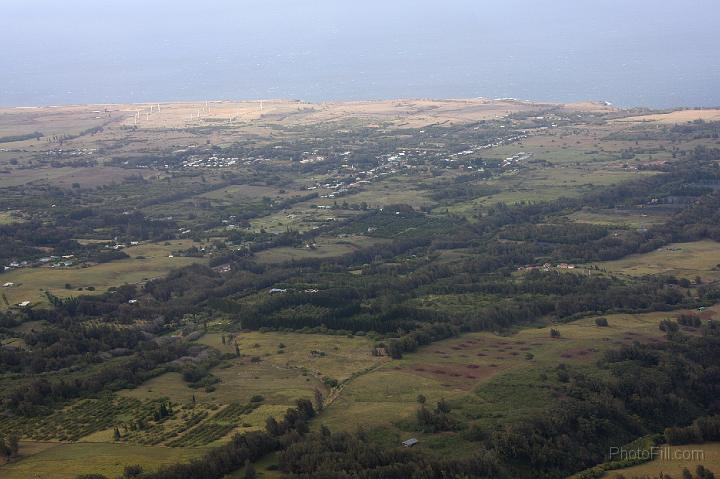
<point>655,53</point>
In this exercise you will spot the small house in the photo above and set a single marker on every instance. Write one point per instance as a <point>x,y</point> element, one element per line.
<point>379,352</point>
<point>410,442</point>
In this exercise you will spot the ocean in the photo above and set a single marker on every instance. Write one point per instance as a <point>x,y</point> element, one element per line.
<point>659,53</point>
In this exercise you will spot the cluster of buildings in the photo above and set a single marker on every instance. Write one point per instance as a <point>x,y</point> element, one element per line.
<point>211,162</point>
<point>49,261</point>
<point>493,144</point>
<point>312,159</point>
<point>284,290</point>
<point>74,152</point>
<point>229,224</point>
<point>215,161</point>
<point>118,246</point>
<point>64,261</point>
<point>349,177</point>
<point>546,266</point>
<point>516,158</point>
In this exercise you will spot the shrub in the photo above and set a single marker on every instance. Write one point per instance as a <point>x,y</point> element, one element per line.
<point>692,320</point>
<point>668,326</point>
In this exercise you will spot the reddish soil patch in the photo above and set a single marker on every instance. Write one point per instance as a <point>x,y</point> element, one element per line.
<point>578,353</point>
<point>456,374</point>
<point>706,315</point>
<point>649,338</point>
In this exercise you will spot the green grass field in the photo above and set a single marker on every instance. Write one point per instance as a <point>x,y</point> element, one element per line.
<point>392,190</point>
<point>239,382</point>
<point>302,217</point>
<point>31,283</point>
<point>341,355</point>
<point>674,460</point>
<point>325,248</point>
<point>488,378</point>
<point>485,376</point>
<point>685,260</point>
<point>235,194</point>
<point>279,377</point>
<point>632,218</point>
<point>67,461</point>
<point>6,218</point>
<point>279,367</point>
<point>546,184</point>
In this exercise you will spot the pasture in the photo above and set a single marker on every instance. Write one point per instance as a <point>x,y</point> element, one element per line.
<point>279,367</point>
<point>66,177</point>
<point>274,370</point>
<point>332,356</point>
<point>239,381</point>
<point>301,217</point>
<point>487,378</point>
<point>147,261</point>
<point>679,116</point>
<point>392,190</point>
<point>622,218</point>
<point>673,460</point>
<point>67,461</point>
<point>7,217</point>
<point>684,260</point>
<point>324,247</point>
<point>531,184</point>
